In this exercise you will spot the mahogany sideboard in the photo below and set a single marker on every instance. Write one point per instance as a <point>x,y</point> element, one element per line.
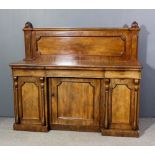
<point>82,79</point>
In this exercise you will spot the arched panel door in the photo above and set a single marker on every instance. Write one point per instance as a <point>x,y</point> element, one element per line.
<point>120,104</point>
<point>75,103</point>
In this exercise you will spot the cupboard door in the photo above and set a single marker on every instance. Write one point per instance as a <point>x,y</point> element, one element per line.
<point>30,103</point>
<point>121,104</point>
<point>75,102</point>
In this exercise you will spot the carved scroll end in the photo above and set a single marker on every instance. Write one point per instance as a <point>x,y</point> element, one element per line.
<point>136,83</point>
<point>42,82</point>
<point>107,82</point>
<point>15,78</point>
<point>28,25</point>
<point>135,25</point>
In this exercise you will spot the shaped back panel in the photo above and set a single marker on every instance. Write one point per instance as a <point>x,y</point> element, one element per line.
<point>115,43</point>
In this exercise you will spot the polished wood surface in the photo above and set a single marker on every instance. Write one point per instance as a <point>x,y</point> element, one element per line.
<point>70,61</point>
<point>118,44</point>
<point>75,102</point>
<point>30,103</point>
<point>105,46</point>
<point>83,79</point>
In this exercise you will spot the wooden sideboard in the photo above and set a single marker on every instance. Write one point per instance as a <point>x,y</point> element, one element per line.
<point>83,79</point>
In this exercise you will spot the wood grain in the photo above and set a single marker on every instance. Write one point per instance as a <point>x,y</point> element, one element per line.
<point>105,46</point>
<point>83,79</point>
<point>30,100</point>
<point>121,104</point>
<point>31,104</point>
<point>75,101</point>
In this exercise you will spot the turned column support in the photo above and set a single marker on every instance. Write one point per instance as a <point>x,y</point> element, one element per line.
<point>136,103</point>
<point>107,83</point>
<point>16,107</point>
<point>42,79</point>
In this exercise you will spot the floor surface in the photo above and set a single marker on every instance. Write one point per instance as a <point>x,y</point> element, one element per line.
<point>10,137</point>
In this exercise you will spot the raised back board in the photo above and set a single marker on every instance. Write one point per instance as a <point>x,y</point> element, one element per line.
<point>115,43</point>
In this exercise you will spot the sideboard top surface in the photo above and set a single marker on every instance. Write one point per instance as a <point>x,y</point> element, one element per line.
<point>76,61</point>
